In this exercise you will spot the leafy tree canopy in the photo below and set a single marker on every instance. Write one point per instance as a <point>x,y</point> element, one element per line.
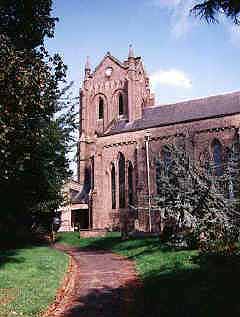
<point>36,120</point>
<point>26,22</point>
<point>211,9</point>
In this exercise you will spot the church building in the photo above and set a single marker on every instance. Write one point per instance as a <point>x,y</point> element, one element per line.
<point>122,131</point>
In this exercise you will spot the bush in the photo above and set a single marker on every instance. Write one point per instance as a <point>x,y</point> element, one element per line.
<point>218,238</point>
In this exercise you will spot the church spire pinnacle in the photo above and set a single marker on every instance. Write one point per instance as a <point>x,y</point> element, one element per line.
<point>130,51</point>
<point>87,65</point>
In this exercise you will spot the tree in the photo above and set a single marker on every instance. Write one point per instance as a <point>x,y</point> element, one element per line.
<point>211,9</point>
<point>197,201</point>
<point>36,120</point>
<point>27,22</point>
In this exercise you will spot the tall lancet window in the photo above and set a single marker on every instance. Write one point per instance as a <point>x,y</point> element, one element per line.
<point>100,108</point>
<point>167,160</point>
<point>120,105</point>
<point>130,183</point>
<point>113,183</point>
<point>217,157</point>
<point>121,173</point>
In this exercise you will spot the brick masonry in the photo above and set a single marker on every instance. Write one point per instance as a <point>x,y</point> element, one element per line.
<point>101,143</point>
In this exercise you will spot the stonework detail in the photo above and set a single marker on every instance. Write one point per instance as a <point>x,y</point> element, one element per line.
<point>129,114</point>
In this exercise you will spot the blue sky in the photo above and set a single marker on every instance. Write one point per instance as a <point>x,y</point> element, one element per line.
<point>184,58</point>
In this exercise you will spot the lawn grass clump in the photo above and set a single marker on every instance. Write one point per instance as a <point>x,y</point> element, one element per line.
<point>181,283</point>
<point>29,278</point>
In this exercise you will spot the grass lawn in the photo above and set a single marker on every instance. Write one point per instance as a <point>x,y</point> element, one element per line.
<point>175,283</point>
<point>29,278</point>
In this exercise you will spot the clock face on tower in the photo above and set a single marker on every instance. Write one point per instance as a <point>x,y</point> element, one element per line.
<point>108,71</point>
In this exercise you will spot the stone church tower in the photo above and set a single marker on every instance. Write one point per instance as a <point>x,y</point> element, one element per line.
<point>114,93</point>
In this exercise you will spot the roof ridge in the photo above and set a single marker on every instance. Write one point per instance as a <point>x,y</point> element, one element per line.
<point>116,60</point>
<point>197,99</point>
<point>182,112</point>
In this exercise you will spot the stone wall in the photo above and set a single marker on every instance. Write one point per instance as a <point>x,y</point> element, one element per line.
<point>196,136</point>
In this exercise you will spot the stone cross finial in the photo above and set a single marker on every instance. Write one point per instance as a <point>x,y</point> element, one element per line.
<point>130,51</point>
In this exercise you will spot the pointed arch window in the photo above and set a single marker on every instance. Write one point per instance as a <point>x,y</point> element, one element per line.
<point>130,183</point>
<point>121,173</point>
<point>217,157</point>
<point>120,105</point>
<point>113,183</point>
<point>100,108</point>
<point>166,156</point>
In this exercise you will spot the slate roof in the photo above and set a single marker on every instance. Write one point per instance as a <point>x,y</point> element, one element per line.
<point>80,198</point>
<point>186,111</point>
<point>77,193</point>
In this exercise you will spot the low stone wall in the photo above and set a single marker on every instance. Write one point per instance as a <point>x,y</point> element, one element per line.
<point>93,233</point>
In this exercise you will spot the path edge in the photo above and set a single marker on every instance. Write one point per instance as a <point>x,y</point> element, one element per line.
<point>66,285</point>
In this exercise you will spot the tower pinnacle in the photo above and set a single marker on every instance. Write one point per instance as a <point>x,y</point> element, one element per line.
<point>87,65</point>
<point>130,51</point>
<point>87,68</point>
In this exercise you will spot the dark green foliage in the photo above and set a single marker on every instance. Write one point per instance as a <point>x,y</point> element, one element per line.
<point>36,122</point>
<point>211,9</point>
<point>26,22</point>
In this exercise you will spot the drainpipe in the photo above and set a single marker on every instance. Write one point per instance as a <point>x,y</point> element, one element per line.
<point>147,140</point>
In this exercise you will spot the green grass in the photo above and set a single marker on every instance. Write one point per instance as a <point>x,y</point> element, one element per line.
<point>175,283</point>
<point>29,278</point>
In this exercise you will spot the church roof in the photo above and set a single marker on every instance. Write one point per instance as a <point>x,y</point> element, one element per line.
<point>181,112</point>
<point>80,198</point>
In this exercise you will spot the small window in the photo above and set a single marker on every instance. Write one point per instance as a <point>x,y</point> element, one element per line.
<point>120,105</point>
<point>100,108</point>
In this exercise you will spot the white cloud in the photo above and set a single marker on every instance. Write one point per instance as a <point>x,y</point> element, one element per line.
<point>171,77</point>
<point>181,22</point>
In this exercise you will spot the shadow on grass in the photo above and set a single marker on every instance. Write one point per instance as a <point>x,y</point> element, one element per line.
<point>9,257</point>
<point>206,291</point>
<point>11,244</point>
<point>147,245</point>
<point>209,286</point>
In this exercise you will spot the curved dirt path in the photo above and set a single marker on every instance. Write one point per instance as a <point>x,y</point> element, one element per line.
<point>99,283</point>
